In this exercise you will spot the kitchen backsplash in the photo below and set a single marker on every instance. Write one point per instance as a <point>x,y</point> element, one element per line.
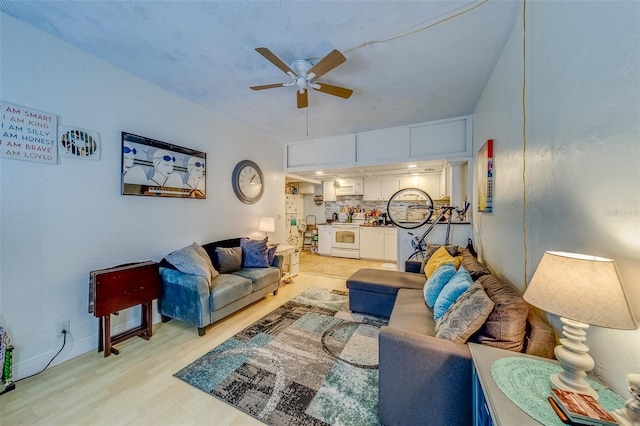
<point>355,201</point>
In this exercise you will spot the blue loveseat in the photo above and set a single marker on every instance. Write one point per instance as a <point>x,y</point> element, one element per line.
<point>192,299</point>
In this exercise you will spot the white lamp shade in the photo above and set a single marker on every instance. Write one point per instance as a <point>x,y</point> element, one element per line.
<point>582,288</point>
<point>267,224</point>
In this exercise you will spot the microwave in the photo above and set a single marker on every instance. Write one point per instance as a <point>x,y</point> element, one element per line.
<point>350,187</point>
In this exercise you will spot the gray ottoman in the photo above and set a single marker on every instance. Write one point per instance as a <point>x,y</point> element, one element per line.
<point>373,291</point>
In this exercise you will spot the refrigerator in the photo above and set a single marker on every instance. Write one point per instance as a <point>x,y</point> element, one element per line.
<point>294,219</point>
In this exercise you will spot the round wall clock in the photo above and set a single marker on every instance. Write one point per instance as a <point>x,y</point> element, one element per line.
<point>248,182</point>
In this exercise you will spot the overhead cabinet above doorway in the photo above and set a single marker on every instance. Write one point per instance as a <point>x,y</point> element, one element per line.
<point>443,139</point>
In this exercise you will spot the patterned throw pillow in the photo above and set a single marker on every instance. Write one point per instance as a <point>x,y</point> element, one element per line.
<point>457,285</point>
<point>229,258</point>
<point>436,283</point>
<point>466,315</point>
<point>193,260</point>
<point>440,257</point>
<point>255,253</point>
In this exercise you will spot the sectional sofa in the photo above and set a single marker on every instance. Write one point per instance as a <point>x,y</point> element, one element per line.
<point>425,379</point>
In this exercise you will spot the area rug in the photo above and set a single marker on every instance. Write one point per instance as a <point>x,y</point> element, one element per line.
<point>309,362</point>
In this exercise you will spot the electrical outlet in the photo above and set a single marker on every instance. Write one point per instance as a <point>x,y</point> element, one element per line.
<point>63,325</point>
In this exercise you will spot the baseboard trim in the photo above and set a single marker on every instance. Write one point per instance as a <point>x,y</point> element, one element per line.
<point>70,351</point>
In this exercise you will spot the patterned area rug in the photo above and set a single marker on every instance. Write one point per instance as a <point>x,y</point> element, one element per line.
<point>309,362</point>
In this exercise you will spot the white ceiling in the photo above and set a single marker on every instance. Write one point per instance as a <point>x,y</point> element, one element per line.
<point>204,51</point>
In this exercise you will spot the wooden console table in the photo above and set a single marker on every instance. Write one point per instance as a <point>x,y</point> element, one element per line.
<point>114,289</point>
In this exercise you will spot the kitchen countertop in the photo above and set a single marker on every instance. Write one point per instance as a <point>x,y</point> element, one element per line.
<point>391,226</point>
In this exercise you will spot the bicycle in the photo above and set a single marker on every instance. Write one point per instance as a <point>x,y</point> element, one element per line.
<point>419,244</point>
<point>414,208</point>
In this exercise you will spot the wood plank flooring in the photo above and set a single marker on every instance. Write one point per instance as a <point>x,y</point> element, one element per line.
<point>137,387</point>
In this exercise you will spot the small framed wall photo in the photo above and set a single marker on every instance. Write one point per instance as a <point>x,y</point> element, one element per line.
<point>159,169</point>
<point>485,177</point>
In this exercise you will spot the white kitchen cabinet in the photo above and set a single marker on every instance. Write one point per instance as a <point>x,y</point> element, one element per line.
<point>337,152</point>
<point>380,189</point>
<point>391,244</point>
<point>429,183</point>
<point>328,190</point>
<point>388,187</point>
<point>388,144</point>
<point>324,240</point>
<point>443,138</point>
<point>445,179</point>
<point>306,188</point>
<point>371,242</point>
<point>436,140</point>
<point>372,190</point>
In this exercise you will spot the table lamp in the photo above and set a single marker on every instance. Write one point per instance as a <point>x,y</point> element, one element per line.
<point>583,290</point>
<point>267,224</point>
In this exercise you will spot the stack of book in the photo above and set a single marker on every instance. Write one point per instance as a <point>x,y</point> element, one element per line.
<point>579,409</point>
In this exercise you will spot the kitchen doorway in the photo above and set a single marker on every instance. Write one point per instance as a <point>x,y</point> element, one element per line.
<point>338,267</point>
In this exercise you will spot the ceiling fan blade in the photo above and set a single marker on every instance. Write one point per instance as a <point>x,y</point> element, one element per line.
<point>326,64</point>
<point>333,90</point>
<point>268,86</point>
<point>275,60</point>
<point>303,99</point>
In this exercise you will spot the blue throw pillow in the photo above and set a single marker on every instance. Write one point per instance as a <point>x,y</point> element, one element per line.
<point>271,253</point>
<point>457,285</point>
<point>437,281</point>
<point>254,253</point>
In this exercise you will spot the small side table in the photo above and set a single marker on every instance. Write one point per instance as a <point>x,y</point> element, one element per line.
<point>290,264</point>
<point>527,383</point>
<point>490,405</point>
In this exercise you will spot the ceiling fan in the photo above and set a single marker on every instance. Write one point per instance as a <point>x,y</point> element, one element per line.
<point>303,74</point>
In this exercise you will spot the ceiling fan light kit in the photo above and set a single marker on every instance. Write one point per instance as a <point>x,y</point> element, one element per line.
<point>303,73</point>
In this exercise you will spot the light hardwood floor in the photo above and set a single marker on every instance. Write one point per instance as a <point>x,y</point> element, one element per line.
<point>137,387</point>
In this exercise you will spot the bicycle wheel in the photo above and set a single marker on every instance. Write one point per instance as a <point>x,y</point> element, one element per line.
<point>410,208</point>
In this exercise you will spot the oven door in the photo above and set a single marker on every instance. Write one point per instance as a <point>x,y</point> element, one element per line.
<point>346,237</point>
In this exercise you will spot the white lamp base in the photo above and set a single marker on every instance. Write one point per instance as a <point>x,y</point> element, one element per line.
<point>574,359</point>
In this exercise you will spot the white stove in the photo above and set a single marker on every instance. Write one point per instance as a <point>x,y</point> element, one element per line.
<point>346,237</point>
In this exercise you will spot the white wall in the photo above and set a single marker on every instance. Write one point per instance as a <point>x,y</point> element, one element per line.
<point>582,154</point>
<point>58,222</point>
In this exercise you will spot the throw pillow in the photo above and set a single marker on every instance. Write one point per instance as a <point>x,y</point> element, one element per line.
<point>229,258</point>
<point>431,248</point>
<point>440,257</point>
<point>506,326</point>
<point>193,260</point>
<point>254,253</point>
<point>271,253</point>
<point>436,283</point>
<point>457,285</point>
<point>471,264</point>
<point>466,315</point>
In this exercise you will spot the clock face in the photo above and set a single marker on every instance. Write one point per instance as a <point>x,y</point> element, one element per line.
<point>248,181</point>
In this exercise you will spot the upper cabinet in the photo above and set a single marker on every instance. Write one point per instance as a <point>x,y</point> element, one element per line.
<point>328,190</point>
<point>391,145</point>
<point>336,152</point>
<point>380,189</point>
<point>444,138</point>
<point>436,140</point>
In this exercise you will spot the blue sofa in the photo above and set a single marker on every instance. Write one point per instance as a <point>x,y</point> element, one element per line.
<point>189,298</point>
